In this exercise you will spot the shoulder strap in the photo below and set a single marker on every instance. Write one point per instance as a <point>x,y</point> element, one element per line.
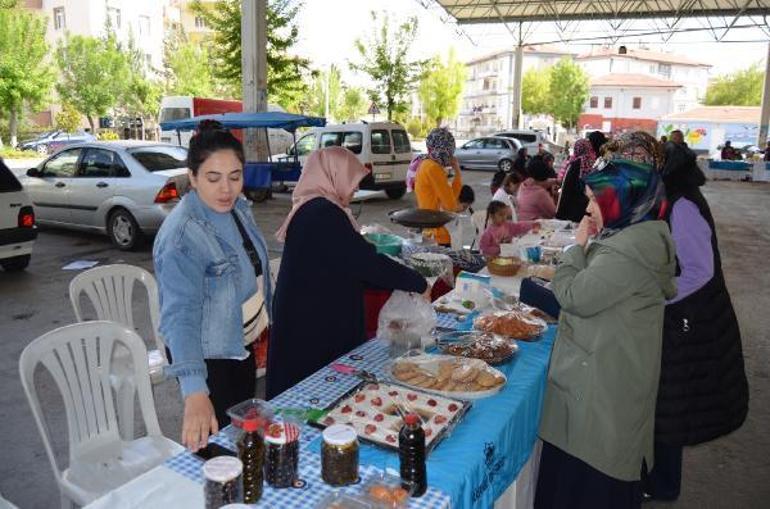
<point>248,245</point>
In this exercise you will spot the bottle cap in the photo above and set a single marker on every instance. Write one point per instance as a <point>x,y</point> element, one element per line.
<point>412,419</point>
<point>222,469</point>
<point>340,434</point>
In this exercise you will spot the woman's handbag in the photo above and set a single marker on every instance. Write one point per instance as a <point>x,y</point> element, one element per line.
<point>255,319</point>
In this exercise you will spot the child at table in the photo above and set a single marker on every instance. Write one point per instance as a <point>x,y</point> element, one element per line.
<point>500,229</point>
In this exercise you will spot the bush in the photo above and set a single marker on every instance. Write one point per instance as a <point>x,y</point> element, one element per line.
<point>417,127</point>
<point>107,136</point>
<point>10,153</point>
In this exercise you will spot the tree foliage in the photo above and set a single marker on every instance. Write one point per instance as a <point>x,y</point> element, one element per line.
<point>285,85</point>
<point>535,93</point>
<point>68,119</point>
<point>741,88</point>
<point>384,57</point>
<point>568,92</point>
<point>354,105</point>
<point>332,80</point>
<point>189,72</point>
<point>26,78</point>
<point>441,88</point>
<point>93,74</point>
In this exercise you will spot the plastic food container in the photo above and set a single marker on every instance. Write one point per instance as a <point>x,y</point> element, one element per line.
<point>252,414</point>
<point>385,243</point>
<point>338,500</point>
<point>339,455</point>
<point>223,483</point>
<point>386,491</point>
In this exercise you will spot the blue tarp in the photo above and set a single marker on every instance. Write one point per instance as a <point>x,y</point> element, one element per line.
<point>270,119</point>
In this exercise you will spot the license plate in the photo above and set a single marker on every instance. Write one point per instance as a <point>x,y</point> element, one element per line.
<point>383,176</point>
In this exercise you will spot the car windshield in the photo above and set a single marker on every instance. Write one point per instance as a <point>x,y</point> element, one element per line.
<point>160,158</point>
<point>8,183</point>
<point>168,114</point>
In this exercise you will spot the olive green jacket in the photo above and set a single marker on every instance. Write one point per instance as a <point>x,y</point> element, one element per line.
<point>603,378</point>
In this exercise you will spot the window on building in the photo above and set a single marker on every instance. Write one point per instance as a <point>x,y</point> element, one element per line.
<point>114,16</point>
<point>607,103</point>
<point>594,101</point>
<point>144,26</point>
<point>664,70</point>
<point>200,22</point>
<point>59,23</point>
<point>637,103</point>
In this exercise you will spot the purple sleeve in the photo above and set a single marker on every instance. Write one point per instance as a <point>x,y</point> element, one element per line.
<point>692,237</point>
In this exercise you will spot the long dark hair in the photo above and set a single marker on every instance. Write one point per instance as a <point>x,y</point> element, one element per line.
<point>210,138</point>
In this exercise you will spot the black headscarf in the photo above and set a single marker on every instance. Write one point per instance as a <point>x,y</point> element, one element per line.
<point>597,139</point>
<point>539,170</point>
<point>680,170</point>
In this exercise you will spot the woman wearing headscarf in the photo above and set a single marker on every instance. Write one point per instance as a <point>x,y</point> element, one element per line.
<point>703,390</point>
<point>533,197</point>
<point>318,312</point>
<point>520,164</point>
<point>431,183</point>
<point>572,200</point>
<point>599,406</point>
<point>597,139</point>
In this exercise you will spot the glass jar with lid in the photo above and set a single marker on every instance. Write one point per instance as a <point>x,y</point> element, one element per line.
<point>339,455</point>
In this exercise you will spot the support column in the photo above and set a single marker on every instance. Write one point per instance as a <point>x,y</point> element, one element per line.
<point>764,116</point>
<point>254,73</point>
<point>517,77</point>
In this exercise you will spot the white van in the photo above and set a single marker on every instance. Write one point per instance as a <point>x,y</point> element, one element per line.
<point>383,147</point>
<point>528,138</point>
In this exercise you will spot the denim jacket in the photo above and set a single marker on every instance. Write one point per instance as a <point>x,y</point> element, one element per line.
<point>198,276</point>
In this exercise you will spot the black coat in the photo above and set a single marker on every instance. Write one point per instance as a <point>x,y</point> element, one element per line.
<point>318,311</point>
<point>573,201</point>
<point>703,390</point>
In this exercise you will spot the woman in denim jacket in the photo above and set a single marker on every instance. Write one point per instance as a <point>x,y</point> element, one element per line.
<point>206,271</point>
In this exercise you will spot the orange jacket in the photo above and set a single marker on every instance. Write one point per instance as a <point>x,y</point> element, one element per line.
<point>434,192</point>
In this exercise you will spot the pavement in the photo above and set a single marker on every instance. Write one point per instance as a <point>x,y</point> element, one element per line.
<point>731,472</point>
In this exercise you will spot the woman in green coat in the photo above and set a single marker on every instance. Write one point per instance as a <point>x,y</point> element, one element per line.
<point>599,408</point>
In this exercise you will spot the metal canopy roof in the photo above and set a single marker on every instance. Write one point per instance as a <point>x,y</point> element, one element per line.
<point>492,11</point>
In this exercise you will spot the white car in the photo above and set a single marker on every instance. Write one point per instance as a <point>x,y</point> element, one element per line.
<point>528,138</point>
<point>17,223</point>
<point>383,147</point>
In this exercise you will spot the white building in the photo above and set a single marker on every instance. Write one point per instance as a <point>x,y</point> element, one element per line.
<point>693,76</point>
<point>487,103</point>
<point>622,101</point>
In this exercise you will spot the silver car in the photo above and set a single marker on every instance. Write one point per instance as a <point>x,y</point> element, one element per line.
<point>491,153</point>
<point>124,189</point>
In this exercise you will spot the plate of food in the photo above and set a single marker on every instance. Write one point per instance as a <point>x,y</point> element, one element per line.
<point>491,349</point>
<point>449,376</point>
<point>376,412</point>
<point>514,324</point>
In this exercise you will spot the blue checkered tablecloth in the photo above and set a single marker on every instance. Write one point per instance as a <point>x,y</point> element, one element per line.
<point>450,321</point>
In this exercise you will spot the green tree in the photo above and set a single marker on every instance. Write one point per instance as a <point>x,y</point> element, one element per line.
<point>568,89</point>
<point>93,74</point>
<point>26,77</point>
<point>741,88</point>
<point>385,59</point>
<point>141,95</point>
<point>189,72</point>
<point>441,88</point>
<point>68,119</point>
<point>331,80</point>
<point>285,85</point>
<point>353,105</point>
<point>535,93</point>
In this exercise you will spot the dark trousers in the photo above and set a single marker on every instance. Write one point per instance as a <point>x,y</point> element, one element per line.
<point>664,482</point>
<point>565,481</point>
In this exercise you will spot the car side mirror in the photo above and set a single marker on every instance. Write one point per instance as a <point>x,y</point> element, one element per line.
<point>290,151</point>
<point>32,172</point>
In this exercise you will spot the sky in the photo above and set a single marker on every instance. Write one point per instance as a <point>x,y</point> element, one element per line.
<point>329,28</point>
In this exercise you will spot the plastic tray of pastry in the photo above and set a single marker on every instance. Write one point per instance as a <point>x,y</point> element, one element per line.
<point>446,375</point>
<point>516,324</point>
<point>491,349</point>
<point>375,411</point>
<point>340,500</point>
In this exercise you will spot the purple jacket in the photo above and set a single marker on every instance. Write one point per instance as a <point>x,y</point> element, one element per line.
<point>692,237</point>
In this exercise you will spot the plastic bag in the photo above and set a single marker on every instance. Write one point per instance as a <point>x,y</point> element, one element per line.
<point>375,228</point>
<point>404,320</point>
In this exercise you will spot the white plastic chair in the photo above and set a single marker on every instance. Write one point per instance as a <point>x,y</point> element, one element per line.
<point>110,289</point>
<point>478,219</point>
<point>79,357</point>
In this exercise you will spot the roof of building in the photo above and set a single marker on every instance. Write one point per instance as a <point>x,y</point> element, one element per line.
<point>632,80</point>
<point>641,54</point>
<point>534,49</point>
<point>728,114</point>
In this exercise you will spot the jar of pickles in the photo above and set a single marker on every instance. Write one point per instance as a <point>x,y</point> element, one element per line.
<point>339,455</point>
<point>223,481</point>
<point>282,453</point>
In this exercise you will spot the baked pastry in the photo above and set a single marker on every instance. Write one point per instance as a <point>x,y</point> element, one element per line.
<point>514,324</point>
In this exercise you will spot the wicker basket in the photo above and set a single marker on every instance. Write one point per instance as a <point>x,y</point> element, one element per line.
<point>505,266</point>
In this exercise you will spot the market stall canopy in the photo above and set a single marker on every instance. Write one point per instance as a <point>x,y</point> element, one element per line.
<point>266,119</point>
<point>492,11</point>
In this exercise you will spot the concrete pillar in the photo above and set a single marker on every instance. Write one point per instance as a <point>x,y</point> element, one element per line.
<point>254,70</point>
<point>764,116</point>
<point>517,77</point>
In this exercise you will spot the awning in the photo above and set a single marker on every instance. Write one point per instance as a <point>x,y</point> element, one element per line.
<point>267,119</point>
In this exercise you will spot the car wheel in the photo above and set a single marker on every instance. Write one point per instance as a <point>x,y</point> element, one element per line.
<point>123,230</point>
<point>42,150</point>
<point>396,193</point>
<point>16,263</point>
<point>257,195</point>
<point>505,165</point>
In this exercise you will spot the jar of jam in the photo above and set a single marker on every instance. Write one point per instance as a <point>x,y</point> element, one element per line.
<point>339,455</point>
<point>282,454</point>
<point>223,481</point>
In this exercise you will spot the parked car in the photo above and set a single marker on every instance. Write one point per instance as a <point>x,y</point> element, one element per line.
<point>124,189</point>
<point>528,138</point>
<point>51,141</point>
<point>17,222</point>
<point>490,153</point>
<point>383,147</point>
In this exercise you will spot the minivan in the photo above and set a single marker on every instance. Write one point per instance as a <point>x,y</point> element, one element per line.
<point>383,147</point>
<point>528,138</point>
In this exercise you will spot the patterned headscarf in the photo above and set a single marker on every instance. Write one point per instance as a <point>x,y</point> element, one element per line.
<point>635,146</point>
<point>441,146</point>
<point>627,193</point>
<point>583,151</point>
